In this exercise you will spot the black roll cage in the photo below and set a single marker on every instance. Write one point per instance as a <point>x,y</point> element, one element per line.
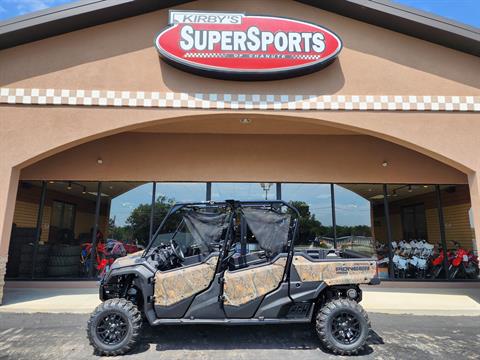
<point>232,205</point>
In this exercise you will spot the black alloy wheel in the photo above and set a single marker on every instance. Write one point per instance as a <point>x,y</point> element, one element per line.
<point>112,329</point>
<point>346,327</point>
<point>342,326</point>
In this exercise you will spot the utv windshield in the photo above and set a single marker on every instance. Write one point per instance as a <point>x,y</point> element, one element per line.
<point>195,230</point>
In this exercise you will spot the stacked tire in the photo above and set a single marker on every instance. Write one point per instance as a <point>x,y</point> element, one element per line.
<point>26,260</point>
<point>64,261</point>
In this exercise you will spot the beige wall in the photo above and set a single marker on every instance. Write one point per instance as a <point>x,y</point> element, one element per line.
<point>220,157</point>
<point>120,56</point>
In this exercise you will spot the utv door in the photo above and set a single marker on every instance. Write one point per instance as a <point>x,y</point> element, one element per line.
<point>198,235</point>
<point>258,267</point>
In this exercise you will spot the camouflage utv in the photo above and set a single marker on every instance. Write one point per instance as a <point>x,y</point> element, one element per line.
<point>233,263</point>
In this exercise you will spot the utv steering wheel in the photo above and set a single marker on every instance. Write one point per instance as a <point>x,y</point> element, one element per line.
<point>177,250</point>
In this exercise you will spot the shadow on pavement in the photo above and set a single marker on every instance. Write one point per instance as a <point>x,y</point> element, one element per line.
<point>207,337</point>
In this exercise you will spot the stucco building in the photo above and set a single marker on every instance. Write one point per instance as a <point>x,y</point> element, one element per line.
<point>89,111</point>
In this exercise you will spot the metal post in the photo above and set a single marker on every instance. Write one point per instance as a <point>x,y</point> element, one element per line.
<point>243,234</point>
<point>442,229</point>
<point>389,230</point>
<point>152,210</point>
<point>334,218</point>
<point>209,191</point>
<point>279,191</point>
<point>93,252</point>
<point>38,230</point>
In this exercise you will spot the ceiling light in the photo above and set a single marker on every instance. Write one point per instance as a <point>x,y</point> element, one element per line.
<point>51,182</point>
<point>69,186</point>
<point>385,164</point>
<point>245,121</point>
<point>425,186</point>
<point>84,191</point>
<point>410,188</point>
<point>99,161</point>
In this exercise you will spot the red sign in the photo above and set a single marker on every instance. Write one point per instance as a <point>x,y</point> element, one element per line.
<point>245,47</point>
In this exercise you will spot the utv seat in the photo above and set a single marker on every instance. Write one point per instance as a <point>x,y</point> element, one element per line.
<point>242,261</point>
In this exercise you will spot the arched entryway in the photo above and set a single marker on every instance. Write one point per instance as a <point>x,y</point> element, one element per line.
<point>356,190</point>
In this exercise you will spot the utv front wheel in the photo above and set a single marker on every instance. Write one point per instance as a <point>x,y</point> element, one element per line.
<point>114,327</point>
<point>342,326</point>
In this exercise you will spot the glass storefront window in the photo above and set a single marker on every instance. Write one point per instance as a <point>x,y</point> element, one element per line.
<point>66,228</point>
<point>415,231</point>
<point>130,207</point>
<point>314,203</point>
<point>459,232</point>
<point>24,229</point>
<point>169,193</point>
<point>356,219</point>
<point>243,191</point>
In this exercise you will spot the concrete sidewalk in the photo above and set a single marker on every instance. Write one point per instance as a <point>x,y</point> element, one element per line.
<point>416,301</point>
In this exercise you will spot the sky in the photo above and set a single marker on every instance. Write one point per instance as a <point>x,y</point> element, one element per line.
<point>465,11</point>
<point>351,209</point>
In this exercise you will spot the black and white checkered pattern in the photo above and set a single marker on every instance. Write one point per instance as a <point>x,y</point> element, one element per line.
<point>307,57</point>
<point>16,96</point>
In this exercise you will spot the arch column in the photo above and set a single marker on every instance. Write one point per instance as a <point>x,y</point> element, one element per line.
<point>8,190</point>
<point>474,184</point>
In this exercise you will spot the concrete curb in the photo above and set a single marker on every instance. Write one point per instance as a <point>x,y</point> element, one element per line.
<point>436,302</point>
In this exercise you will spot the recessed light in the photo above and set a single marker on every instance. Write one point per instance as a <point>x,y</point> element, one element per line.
<point>99,161</point>
<point>385,164</point>
<point>245,121</point>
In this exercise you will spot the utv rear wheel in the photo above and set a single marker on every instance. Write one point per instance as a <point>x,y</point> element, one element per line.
<point>114,327</point>
<point>342,326</point>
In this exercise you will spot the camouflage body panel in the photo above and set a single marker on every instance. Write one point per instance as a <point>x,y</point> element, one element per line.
<point>174,286</point>
<point>248,284</point>
<point>128,260</point>
<point>339,272</point>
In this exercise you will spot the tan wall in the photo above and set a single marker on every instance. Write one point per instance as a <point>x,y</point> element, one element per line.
<point>295,158</point>
<point>120,56</point>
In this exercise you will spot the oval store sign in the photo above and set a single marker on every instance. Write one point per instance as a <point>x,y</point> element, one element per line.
<point>245,47</point>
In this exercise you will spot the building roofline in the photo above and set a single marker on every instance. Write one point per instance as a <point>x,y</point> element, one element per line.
<point>384,13</point>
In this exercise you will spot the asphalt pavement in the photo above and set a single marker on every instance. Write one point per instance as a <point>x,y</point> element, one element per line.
<point>63,336</point>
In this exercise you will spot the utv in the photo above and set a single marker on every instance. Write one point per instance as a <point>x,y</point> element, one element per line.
<point>233,263</point>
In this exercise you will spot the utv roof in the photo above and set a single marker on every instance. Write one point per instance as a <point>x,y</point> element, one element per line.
<point>383,13</point>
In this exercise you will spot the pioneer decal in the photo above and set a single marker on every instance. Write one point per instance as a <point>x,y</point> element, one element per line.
<point>245,47</point>
<point>351,268</point>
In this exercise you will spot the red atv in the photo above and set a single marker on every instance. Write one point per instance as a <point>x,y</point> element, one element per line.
<point>464,265</point>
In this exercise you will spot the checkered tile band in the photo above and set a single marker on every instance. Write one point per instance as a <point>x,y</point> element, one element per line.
<point>238,101</point>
